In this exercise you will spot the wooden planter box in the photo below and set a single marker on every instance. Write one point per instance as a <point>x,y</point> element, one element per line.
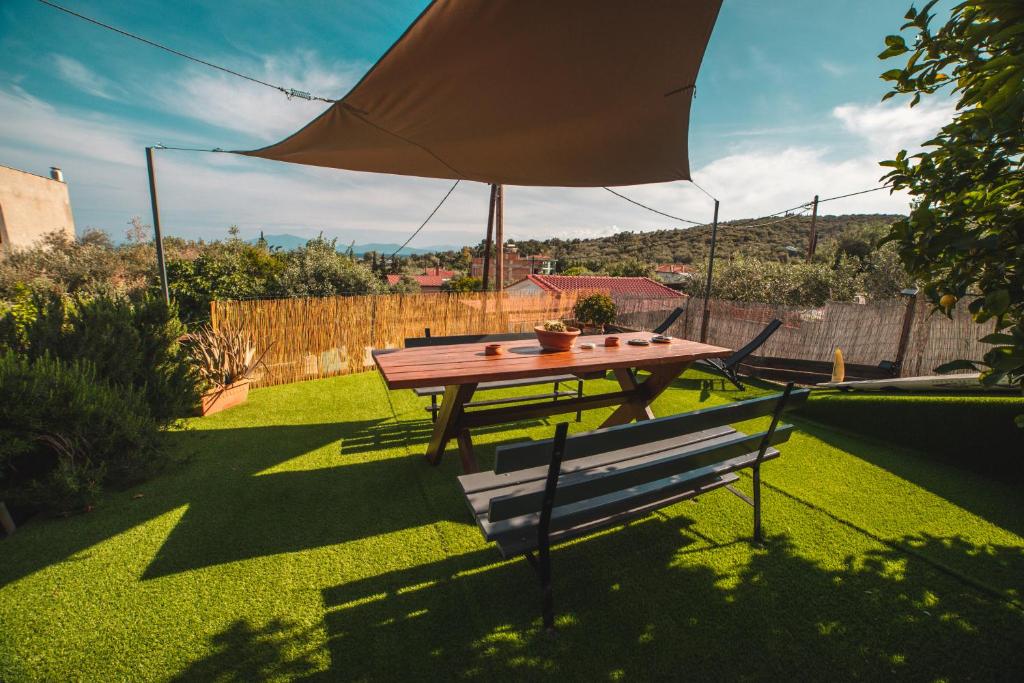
<point>219,399</point>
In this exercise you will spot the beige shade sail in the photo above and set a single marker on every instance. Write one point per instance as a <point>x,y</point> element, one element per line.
<point>577,93</point>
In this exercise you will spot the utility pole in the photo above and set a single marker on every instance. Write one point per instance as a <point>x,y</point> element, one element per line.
<point>499,238</point>
<point>157,235</point>
<point>707,285</point>
<point>812,243</point>
<point>490,235</point>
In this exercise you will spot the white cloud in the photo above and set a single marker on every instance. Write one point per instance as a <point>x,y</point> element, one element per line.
<point>890,127</point>
<point>834,68</point>
<point>235,104</point>
<point>30,123</point>
<point>80,76</point>
<point>201,194</point>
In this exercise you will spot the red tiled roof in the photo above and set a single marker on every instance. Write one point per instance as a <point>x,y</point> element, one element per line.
<point>439,272</point>
<point>616,286</point>
<point>673,268</point>
<point>422,280</point>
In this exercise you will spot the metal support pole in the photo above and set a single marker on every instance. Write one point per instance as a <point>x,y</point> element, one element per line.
<point>707,285</point>
<point>157,235</point>
<point>499,239</point>
<point>490,238</point>
<point>812,243</point>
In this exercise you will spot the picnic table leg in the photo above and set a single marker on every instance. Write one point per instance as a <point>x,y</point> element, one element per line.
<point>466,454</point>
<point>639,408</point>
<point>447,425</point>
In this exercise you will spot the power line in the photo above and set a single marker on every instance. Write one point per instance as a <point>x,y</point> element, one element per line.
<point>660,213</point>
<point>775,222</point>
<point>441,203</point>
<point>289,92</point>
<point>853,194</point>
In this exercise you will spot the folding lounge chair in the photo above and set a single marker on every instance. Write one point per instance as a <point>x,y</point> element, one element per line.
<point>727,367</point>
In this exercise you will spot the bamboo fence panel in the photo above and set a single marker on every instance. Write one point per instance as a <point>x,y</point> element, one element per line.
<point>936,339</point>
<point>321,337</point>
<point>313,338</point>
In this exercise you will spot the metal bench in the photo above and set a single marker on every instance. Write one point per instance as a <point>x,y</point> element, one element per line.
<point>549,491</point>
<point>434,392</point>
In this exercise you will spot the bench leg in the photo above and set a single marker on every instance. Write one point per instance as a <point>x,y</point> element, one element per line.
<point>757,504</point>
<point>579,394</point>
<point>433,408</point>
<point>555,397</point>
<point>542,566</point>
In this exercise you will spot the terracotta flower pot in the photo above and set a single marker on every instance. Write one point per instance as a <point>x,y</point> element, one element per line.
<point>556,341</point>
<point>222,398</point>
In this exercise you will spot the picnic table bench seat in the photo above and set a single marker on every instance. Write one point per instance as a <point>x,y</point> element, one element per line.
<point>556,380</point>
<point>553,490</point>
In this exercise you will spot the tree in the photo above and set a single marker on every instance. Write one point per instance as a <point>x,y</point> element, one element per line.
<point>631,267</point>
<point>965,232</point>
<point>463,284</point>
<point>405,285</point>
<point>317,269</point>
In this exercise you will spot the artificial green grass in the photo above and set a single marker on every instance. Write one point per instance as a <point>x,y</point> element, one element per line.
<point>976,432</point>
<point>305,537</point>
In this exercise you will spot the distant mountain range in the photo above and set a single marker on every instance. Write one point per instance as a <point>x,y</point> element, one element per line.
<point>290,242</point>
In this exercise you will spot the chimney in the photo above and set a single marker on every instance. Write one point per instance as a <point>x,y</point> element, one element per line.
<point>57,174</point>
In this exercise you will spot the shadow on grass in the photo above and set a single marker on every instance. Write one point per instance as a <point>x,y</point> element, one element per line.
<point>244,652</point>
<point>241,515</point>
<point>968,490</point>
<point>234,511</point>
<point>628,604</point>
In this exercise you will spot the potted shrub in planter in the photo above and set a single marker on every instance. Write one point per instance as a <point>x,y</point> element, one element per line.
<point>225,361</point>
<point>595,311</point>
<point>554,335</point>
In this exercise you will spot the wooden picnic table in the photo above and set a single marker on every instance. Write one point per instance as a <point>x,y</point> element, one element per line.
<point>461,367</point>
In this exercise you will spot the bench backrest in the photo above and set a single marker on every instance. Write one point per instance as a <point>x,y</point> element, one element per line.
<point>427,340</point>
<point>566,489</point>
<point>536,453</point>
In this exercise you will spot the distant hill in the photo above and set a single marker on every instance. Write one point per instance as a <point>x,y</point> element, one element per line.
<point>290,242</point>
<point>685,245</point>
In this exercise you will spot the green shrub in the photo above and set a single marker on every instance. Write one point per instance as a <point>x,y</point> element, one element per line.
<point>131,344</point>
<point>596,309</point>
<point>463,284</point>
<point>317,269</point>
<point>223,270</point>
<point>64,432</point>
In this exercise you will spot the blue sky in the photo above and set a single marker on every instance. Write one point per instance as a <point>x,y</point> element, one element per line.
<point>787,107</point>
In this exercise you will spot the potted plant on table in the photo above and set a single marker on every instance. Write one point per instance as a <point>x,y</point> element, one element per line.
<point>595,311</point>
<point>225,361</point>
<point>554,335</point>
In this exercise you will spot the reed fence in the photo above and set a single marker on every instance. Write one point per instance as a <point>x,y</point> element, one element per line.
<point>313,338</point>
<point>322,337</point>
<point>868,334</point>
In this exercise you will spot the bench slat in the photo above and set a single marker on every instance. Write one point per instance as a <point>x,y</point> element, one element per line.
<point>506,384</point>
<point>577,486</point>
<point>605,512</point>
<point>489,481</point>
<point>521,456</point>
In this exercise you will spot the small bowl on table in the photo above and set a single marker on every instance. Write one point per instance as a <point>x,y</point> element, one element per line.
<point>556,341</point>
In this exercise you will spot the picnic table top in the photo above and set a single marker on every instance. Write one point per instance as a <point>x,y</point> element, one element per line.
<point>466,363</point>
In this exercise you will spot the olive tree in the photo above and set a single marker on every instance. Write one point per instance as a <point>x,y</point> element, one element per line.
<point>965,231</point>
